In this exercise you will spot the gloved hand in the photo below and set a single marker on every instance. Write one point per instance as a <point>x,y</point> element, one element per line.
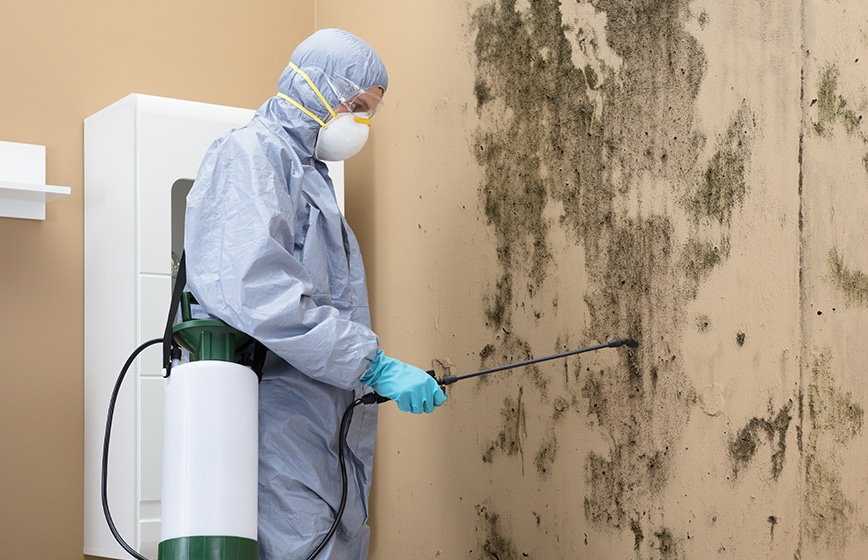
<point>414,390</point>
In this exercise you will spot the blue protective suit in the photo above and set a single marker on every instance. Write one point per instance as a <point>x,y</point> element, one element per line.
<point>269,252</point>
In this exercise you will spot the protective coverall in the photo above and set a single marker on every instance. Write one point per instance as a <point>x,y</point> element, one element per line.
<point>269,252</point>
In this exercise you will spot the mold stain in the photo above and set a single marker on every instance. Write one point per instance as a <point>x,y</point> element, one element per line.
<point>562,127</point>
<point>853,284</point>
<point>513,430</point>
<point>560,407</point>
<point>746,443</point>
<point>698,258</point>
<point>666,545</point>
<point>831,106</point>
<point>638,534</point>
<point>723,185</point>
<point>512,349</point>
<point>495,545</point>
<point>834,419</point>
<point>546,456</point>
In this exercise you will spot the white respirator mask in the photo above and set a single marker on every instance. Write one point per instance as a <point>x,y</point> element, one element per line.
<point>342,138</point>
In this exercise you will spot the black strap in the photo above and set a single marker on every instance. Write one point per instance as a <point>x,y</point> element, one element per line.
<point>171,350</point>
<point>259,352</point>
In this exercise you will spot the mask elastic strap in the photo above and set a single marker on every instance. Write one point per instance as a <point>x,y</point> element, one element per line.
<point>303,109</point>
<point>304,75</point>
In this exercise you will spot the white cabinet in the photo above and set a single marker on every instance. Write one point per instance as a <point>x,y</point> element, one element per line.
<point>140,156</point>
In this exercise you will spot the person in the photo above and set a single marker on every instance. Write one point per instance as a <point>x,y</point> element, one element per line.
<point>269,252</point>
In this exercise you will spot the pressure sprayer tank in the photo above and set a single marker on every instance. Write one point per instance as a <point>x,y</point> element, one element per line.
<point>210,448</point>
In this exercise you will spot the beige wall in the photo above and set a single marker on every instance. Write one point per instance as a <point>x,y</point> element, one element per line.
<point>671,177</point>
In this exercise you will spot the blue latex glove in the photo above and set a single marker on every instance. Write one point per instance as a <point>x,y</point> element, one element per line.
<point>414,390</point>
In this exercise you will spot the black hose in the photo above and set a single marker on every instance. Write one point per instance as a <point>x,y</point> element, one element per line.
<point>369,398</point>
<point>105,448</point>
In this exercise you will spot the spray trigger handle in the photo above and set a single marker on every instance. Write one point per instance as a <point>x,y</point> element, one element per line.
<point>375,398</point>
<point>445,380</point>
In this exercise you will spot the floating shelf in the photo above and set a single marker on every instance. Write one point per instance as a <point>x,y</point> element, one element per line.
<point>23,193</point>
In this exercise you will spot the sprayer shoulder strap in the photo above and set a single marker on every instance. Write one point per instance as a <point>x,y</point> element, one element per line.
<point>259,352</point>
<point>170,347</point>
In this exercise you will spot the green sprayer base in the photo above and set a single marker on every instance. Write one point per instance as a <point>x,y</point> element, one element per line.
<point>209,548</point>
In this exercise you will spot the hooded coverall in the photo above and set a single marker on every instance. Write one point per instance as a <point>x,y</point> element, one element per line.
<point>270,253</point>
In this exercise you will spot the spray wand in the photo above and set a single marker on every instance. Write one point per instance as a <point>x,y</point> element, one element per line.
<point>450,379</point>
<point>372,398</point>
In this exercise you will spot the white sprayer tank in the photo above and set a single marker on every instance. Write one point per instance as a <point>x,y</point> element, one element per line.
<point>210,459</point>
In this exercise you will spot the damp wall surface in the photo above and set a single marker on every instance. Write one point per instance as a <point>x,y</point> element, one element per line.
<point>550,175</point>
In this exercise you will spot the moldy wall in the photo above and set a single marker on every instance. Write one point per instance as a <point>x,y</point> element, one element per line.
<point>689,173</point>
<point>546,175</point>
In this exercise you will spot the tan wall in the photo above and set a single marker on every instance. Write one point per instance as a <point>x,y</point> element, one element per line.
<point>671,178</point>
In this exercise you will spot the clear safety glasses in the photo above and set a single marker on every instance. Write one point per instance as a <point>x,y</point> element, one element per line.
<point>361,102</point>
<point>353,99</point>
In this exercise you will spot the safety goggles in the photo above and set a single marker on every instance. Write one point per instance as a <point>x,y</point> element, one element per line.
<point>361,103</point>
<point>354,99</point>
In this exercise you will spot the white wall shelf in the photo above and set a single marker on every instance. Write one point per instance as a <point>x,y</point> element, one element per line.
<point>23,192</point>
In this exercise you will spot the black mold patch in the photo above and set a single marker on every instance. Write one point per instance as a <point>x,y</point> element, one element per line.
<point>560,407</point>
<point>512,349</point>
<point>545,456</point>
<point>744,446</point>
<point>698,258</point>
<point>852,283</point>
<point>638,535</point>
<point>666,545</point>
<point>834,419</point>
<point>600,476</point>
<point>724,185</point>
<point>494,545</point>
<point>513,431</point>
<point>486,352</point>
<point>588,137</point>
<point>829,512</point>
<point>831,411</point>
<point>831,106</point>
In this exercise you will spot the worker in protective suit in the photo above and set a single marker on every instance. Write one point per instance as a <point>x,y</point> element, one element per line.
<point>269,252</point>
